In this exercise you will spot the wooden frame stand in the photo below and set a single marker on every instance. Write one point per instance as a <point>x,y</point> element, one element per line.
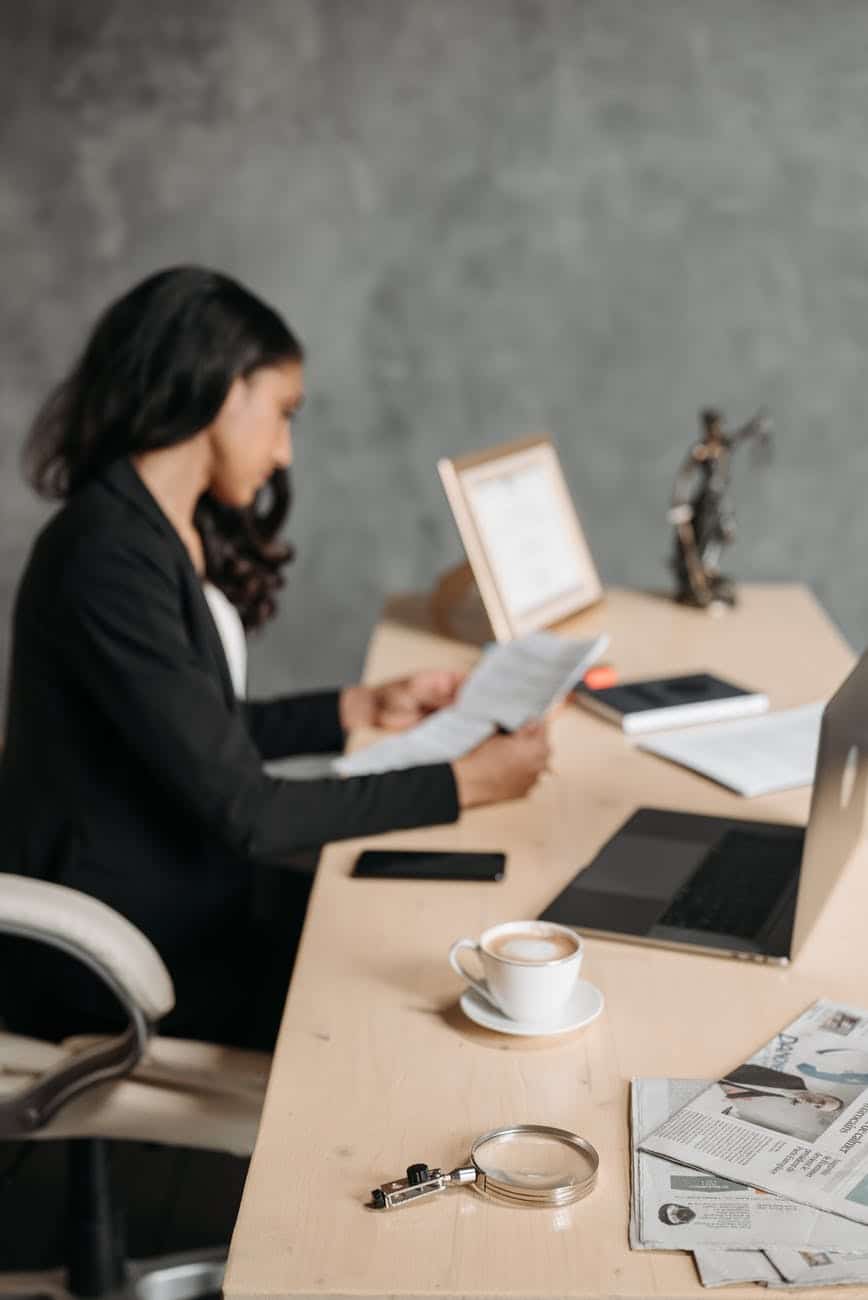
<point>524,544</point>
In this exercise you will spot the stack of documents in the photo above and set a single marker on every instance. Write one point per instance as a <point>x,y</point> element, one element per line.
<point>763,1175</point>
<point>754,756</point>
<point>512,684</point>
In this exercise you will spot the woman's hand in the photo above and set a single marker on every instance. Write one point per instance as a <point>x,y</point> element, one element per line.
<point>403,703</point>
<point>505,767</point>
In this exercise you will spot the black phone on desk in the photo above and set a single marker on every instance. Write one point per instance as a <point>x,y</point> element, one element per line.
<point>421,864</point>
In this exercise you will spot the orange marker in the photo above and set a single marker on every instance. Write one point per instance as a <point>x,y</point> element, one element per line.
<point>600,676</point>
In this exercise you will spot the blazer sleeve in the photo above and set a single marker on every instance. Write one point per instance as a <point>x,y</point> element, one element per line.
<point>124,640</point>
<point>295,724</point>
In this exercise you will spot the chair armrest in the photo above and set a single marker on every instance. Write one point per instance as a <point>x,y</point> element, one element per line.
<point>124,959</point>
<point>192,1065</point>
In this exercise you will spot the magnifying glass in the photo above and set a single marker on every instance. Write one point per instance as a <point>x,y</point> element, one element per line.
<point>524,1164</point>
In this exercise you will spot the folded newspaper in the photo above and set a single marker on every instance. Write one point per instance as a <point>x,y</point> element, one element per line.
<point>677,1208</point>
<point>511,684</point>
<point>737,1233</point>
<point>780,1268</point>
<point>791,1120</point>
<point>717,1267</point>
<point>818,1267</point>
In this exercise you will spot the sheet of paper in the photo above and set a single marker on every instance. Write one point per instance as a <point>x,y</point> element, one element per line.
<point>526,536</point>
<point>523,679</point>
<point>511,684</point>
<point>444,736</point>
<point>754,756</point>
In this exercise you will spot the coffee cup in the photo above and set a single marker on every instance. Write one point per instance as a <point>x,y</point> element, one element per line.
<point>531,968</point>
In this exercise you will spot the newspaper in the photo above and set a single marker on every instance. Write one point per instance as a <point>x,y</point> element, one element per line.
<point>512,684</point>
<point>676,1208</point>
<point>818,1267</point>
<point>730,1267</point>
<point>779,1267</point>
<point>792,1120</point>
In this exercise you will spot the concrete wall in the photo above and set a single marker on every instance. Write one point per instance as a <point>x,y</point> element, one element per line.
<point>484,217</point>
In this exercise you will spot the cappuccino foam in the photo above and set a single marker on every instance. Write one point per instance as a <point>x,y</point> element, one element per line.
<point>532,947</point>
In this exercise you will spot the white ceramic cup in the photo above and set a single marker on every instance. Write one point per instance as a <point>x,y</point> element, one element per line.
<point>520,980</point>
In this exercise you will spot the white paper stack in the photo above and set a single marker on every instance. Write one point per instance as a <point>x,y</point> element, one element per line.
<point>754,756</point>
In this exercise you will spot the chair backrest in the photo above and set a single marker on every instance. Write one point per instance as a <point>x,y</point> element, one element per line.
<point>119,954</point>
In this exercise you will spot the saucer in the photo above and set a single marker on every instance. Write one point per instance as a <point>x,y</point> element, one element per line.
<point>584,1006</point>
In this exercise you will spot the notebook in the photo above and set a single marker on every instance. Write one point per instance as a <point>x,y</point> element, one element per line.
<point>657,703</point>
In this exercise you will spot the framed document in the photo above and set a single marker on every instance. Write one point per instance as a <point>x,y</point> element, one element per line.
<point>521,534</point>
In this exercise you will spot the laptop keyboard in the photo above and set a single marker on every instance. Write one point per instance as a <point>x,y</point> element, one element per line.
<point>737,885</point>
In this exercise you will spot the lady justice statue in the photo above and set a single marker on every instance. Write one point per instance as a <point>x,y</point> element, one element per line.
<point>701,513</point>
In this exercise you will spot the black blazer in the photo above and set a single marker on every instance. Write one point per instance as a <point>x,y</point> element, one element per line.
<point>130,770</point>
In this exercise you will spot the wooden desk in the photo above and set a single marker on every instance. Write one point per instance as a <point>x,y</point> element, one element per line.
<point>376,1068</point>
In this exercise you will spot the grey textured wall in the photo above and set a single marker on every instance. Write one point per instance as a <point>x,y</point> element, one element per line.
<point>485,217</point>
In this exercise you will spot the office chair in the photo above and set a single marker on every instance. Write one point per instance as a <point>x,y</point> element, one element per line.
<point>90,1090</point>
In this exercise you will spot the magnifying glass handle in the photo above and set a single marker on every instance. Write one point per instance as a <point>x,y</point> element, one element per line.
<point>420,1181</point>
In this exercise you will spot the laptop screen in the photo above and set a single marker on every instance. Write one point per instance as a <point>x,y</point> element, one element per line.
<point>839,798</point>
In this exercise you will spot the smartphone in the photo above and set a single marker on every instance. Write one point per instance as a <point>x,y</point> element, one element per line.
<point>410,864</point>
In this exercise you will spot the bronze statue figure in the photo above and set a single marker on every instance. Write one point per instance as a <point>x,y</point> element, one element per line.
<point>701,513</point>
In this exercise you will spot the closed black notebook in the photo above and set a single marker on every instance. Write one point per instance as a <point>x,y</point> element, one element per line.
<point>656,703</point>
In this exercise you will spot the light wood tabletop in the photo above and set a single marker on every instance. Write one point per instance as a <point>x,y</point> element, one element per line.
<point>376,1067</point>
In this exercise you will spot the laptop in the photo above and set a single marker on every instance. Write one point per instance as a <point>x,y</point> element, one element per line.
<point>746,889</point>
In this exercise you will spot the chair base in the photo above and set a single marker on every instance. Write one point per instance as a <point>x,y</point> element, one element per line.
<point>188,1275</point>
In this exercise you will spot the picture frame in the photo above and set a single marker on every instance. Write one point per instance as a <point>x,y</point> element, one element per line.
<point>521,534</point>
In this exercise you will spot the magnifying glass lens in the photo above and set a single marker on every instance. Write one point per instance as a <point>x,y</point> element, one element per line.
<point>546,1165</point>
<point>531,1161</point>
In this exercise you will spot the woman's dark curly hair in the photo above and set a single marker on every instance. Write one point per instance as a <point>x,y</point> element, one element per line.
<point>156,371</point>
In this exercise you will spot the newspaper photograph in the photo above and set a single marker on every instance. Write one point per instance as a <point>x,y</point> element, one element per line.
<point>791,1120</point>
<point>676,1208</point>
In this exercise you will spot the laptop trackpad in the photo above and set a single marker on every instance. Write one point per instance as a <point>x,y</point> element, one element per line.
<point>629,884</point>
<point>645,866</point>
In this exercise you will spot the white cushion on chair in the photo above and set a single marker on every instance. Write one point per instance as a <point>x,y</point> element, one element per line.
<point>199,1067</point>
<point>75,918</point>
<point>143,1112</point>
<point>28,1056</point>
<point>181,1093</point>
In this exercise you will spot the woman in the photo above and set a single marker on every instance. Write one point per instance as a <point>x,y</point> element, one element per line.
<point>131,769</point>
